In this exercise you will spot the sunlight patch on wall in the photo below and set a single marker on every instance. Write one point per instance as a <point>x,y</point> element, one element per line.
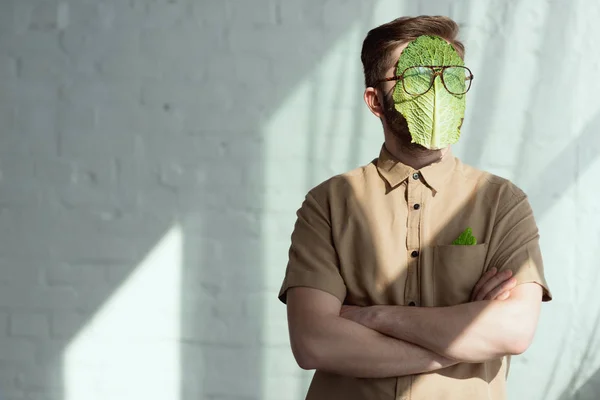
<point>130,348</point>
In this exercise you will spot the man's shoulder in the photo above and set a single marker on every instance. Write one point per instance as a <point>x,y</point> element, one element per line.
<point>492,185</point>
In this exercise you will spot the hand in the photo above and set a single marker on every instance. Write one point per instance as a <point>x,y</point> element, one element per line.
<point>494,285</point>
<point>357,314</point>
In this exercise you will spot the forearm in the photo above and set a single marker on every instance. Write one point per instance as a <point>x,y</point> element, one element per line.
<point>471,332</point>
<point>344,347</point>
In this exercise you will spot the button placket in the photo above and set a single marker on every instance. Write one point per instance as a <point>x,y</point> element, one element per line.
<point>413,242</point>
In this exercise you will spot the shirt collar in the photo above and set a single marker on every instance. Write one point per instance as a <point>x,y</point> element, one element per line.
<point>435,174</point>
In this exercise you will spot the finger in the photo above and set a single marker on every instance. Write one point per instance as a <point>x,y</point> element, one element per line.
<point>494,282</point>
<point>503,288</point>
<point>482,281</point>
<point>503,296</point>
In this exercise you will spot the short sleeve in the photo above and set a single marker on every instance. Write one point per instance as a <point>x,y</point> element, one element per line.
<point>514,244</point>
<point>313,260</point>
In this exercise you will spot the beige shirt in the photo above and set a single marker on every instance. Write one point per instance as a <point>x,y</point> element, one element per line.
<point>382,235</point>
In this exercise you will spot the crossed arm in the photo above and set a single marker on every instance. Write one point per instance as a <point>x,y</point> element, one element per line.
<point>388,341</point>
<point>470,332</point>
<point>322,339</point>
<point>385,341</point>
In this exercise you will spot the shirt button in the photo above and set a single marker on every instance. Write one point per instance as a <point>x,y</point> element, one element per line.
<point>416,176</point>
<point>415,254</point>
<point>417,206</point>
<point>412,304</point>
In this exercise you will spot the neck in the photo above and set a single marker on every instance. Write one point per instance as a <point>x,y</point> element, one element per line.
<point>416,157</point>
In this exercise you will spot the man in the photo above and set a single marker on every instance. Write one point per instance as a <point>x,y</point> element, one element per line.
<point>415,276</point>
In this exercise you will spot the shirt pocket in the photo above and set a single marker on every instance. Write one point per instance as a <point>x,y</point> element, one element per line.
<point>456,270</point>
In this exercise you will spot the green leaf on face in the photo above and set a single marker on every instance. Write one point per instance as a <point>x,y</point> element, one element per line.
<point>466,238</point>
<point>434,118</point>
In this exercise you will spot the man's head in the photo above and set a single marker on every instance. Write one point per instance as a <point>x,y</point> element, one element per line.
<point>380,57</point>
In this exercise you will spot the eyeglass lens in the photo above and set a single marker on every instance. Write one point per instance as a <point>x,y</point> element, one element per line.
<point>418,80</point>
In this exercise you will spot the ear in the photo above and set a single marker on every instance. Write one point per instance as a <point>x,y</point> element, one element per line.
<point>373,101</point>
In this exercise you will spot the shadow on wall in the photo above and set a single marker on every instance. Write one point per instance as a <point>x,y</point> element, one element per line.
<point>588,391</point>
<point>123,120</point>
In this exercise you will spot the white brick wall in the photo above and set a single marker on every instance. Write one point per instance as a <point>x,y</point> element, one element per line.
<point>123,123</point>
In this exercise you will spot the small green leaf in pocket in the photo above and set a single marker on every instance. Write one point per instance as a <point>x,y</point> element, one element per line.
<point>466,238</point>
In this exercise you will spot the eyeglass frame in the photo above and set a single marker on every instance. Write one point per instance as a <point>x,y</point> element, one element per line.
<point>439,73</point>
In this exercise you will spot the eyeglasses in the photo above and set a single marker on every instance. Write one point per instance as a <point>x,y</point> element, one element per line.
<point>419,80</point>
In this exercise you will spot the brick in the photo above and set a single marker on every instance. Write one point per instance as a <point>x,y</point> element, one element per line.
<point>65,324</point>
<point>21,15</point>
<point>20,272</point>
<point>8,116</point>
<point>44,15</point>
<point>37,127</point>
<point>210,317</point>
<point>29,325</point>
<point>8,67</point>
<point>245,15</point>
<point>32,43</point>
<point>212,15</point>
<point>114,58</point>
<point>158,94</point>
<point>190,151</point>
<point>26,194</point>
<point>40,68</point>
<point>8,378</point>
<point>110,140</point>
<point>45,395</point>
<point>299,13</point>
<point>165,15</point>
<point>90,16</point>
<point>240,362</point>
<point>75,118</point>
<point>81,94</point>
<point>14,395</point>
<point>78,275</point>
<point>171,44</point>
<point>338,14</point>
<point>18,351</point>
<point>28,95</point>
<point>266,307</point>
<point>7,19</point>
<point>51,353</point>
<point>4,324</point>
<point>56,171</point>
<point>40,299</point>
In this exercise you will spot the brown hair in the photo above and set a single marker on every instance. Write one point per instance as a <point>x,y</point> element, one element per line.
<point>383,40</point>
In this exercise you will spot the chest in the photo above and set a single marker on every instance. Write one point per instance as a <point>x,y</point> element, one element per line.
<point>397,248</point>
